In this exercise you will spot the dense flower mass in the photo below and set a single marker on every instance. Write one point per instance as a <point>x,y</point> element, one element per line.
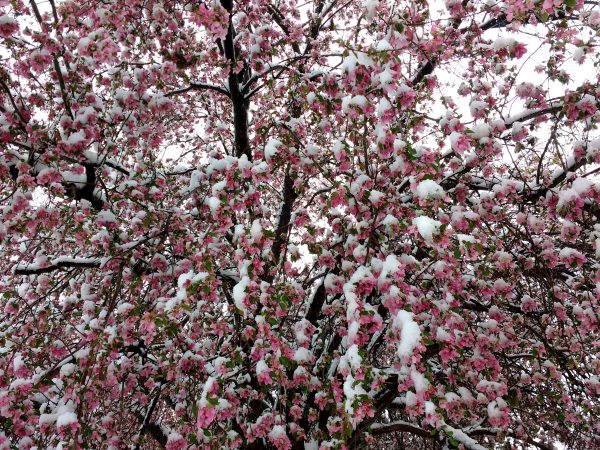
<point>316,224</point>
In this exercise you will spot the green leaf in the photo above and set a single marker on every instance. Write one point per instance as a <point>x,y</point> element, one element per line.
<point>286,362</point>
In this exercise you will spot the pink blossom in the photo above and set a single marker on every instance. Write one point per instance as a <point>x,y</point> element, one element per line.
<point>8,26</point>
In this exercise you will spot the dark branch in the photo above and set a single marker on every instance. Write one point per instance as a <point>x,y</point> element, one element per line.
<point>312,315</point>
<point>285,216</point>
<point>156,431</point>
<point>380,401</point>
<point>57,264</point>
<point>146,425</point>
<point>532,114</point>
<point>239,102</point>
<point>75,190</point>
<point>199,87</point>
<point>402,427</point>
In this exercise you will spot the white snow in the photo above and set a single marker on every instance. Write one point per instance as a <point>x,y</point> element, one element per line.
<point>67,370</point>
<point>493,410</point>
<point>421,383</point>
<point>218,187</point>
<point>503,42</point>
<point>582,185</point>
<point>18,362</point>
<point>593,148</point>
<point>389,266</point>
<point>106,217</point>
<point>47,418</point>
<point>462,238</point>
<point>213,203</point>
<point>352,357</point>
<point>277,432</point>
<point>454,138</point>
<point>410,333</point>
<point>370,6</point>
<point>66,418</point>
<point>261,367</point>
<point>76,138</point>
<point>569,252</point>
<point>349,63</point>
<point>358,100</point>
<point>84,115</point>
<point>461,437</point>
<point>312,445</point>
<point>206,390</point>
<point>256,230</point>
<point>481,130</point>
<point>389,220</point>
<point>375,196</point>
<point>239,294</point>
<point>302,355</point>
<point>386,77</point>
<point>5,19</point>
<point>271,148</point>
<point>351,392</point>
<point>427,227</point>
<point>383,46</point>
<point>429,189</point>
<point>383,107</point>
<point>477,107</point>
<point>517,128</point>
<point>174,437</point>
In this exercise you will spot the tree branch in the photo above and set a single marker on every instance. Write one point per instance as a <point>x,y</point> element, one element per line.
<point>74,190</point>
<point>529,114</point>
<point>159,434</point>
<point>399,426</point>
<point>239,102</point>
<point>285,216</point>
<point>146,424</point>
<point>62,262</point>
<point>198,87</point>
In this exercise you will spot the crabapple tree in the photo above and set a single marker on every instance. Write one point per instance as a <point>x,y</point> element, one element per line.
<point>320,224</point>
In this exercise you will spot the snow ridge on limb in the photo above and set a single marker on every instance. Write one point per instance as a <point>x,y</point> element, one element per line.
<point>290,225</point>
<point>60,262</point>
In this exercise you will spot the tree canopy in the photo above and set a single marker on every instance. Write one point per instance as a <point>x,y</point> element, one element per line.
<point>320,224</point>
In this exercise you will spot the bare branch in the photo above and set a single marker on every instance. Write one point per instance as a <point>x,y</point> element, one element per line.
<point>199,87</point>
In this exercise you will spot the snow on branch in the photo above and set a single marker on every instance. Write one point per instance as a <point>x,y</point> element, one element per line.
<point>463,438</point>
<point>407,427</point>
<point>62,262</point>
<point>78,187</point>
<point>98,161</point>
<point>532,113</point>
